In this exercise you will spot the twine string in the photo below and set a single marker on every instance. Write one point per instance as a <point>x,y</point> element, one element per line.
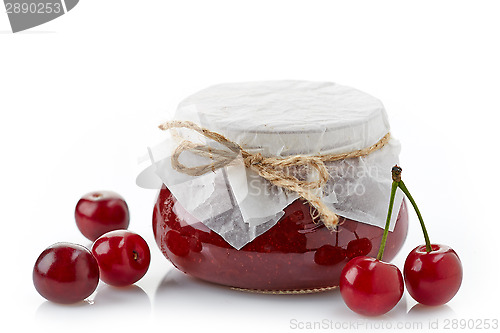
<point>273,169</point>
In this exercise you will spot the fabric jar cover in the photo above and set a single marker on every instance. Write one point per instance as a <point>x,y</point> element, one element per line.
<point>279,118</point>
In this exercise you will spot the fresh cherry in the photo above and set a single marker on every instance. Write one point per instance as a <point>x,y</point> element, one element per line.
<point>99,212</point>
<point>433,272</point>
<point>66,273</point>
<point>123,257</point>
<point>433,278</point>
<point>370,286</point>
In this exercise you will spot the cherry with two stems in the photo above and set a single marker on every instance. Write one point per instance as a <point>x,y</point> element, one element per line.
<point>432,272</point>
<point>370,286</point>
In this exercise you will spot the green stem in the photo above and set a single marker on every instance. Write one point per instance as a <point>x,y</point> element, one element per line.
<point>403,188</point>
<point>388,221</point>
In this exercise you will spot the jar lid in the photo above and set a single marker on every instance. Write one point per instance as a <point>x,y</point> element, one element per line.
<point>280,118</point>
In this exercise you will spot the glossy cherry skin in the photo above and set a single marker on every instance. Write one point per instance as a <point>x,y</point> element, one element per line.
<point>66,273</point>
<point>371,287</point>
<point>433,278</point>
<point>123,257</point>
<point>99,212</point>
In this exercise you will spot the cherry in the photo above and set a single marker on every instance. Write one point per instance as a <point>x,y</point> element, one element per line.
<point>433,278</point>
<point>370,286</point>
<point>66,273</point>
<point>99,212</point>
<point>123,257</point>
<point>433,272</point>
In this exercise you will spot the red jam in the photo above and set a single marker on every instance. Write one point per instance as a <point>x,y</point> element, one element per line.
<point>295,254</point>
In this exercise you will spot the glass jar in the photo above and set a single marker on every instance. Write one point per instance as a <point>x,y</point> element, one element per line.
<point>215,227</point>
<point>296,255</point>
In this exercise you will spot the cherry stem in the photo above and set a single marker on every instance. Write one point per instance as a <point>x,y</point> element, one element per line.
<point>403,188</point>
<point>388,221</point>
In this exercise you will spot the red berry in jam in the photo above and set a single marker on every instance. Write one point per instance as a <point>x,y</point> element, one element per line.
<point>99,212</point>
<point>123,257</point>
<point>195,244</point>
<point>177,244</point>
<point>371,287</point>
<point>328,255</point>
<point>358,247</point>
<point>66,273</point>
<point>433,278</point>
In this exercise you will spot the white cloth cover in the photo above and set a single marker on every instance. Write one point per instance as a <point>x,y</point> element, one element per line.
<point>279,118</point>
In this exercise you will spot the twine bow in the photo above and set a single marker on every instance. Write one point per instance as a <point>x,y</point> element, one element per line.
<point>272,169</point>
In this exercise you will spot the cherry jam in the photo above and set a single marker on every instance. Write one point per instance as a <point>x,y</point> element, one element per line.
<point>297,254</point>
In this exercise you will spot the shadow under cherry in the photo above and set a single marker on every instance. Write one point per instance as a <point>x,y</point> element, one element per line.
<point>108,302</point>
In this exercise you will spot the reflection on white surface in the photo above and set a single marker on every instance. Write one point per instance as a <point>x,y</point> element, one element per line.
<point>189,304</point>
<point>179,296</point>
<point>109,303</point>
<point>424,311</point>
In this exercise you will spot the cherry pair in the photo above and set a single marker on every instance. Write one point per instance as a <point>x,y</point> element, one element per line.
<point>432,272</point>
<point>68,273</point>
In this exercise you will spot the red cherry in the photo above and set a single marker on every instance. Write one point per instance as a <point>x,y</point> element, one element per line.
<point>371,287</point>
<point>99,212</point>
<point>433,278</point>
<point>66,273</point>
<point>123,257</point>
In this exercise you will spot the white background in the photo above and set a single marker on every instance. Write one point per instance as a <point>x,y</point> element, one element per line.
<point>81,96</point>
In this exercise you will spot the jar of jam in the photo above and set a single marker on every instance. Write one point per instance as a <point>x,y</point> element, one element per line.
<point>232,227</point>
